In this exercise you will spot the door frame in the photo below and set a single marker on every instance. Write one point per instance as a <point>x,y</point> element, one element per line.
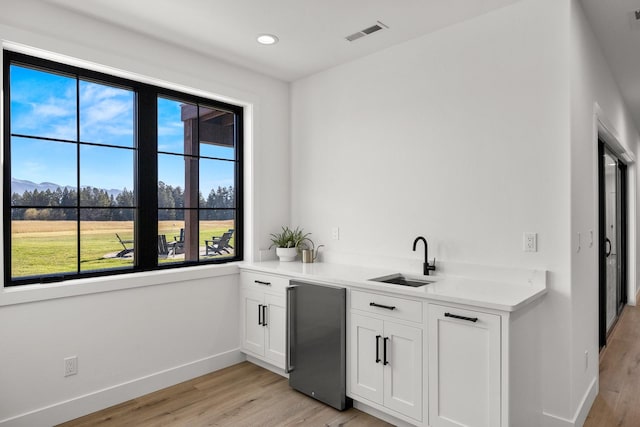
<point>622,216</point>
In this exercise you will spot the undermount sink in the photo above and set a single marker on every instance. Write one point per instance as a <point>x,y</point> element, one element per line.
<point>402,280</point>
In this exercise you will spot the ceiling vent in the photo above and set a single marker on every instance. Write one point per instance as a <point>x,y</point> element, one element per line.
<point>369,30</point>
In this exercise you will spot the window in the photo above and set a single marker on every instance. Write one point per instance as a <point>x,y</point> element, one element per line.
<point>105,175</point>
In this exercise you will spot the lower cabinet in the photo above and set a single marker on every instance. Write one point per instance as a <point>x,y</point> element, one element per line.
<point>263,321</point>
<point>464,362</point>
<point>386,364</point>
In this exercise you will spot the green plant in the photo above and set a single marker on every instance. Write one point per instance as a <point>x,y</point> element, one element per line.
<point>288,238</point>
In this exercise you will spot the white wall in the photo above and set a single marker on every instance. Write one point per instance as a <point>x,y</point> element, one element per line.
<point>591,83</point>
<point>131,341</point>
<point>460,136</point>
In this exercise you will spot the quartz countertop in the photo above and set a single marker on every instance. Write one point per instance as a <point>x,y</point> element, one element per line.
<point>498,294</point>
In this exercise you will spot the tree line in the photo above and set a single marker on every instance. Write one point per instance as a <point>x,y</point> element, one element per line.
<point>60,204</point>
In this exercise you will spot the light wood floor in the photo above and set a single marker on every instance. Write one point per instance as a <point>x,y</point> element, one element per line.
<point>240,395</point>
<point>618,401</point>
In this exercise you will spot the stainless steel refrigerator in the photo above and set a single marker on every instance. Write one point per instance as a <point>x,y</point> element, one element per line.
<point>316,342</point>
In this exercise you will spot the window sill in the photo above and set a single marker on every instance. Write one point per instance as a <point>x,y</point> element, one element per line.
<point>42,292</point>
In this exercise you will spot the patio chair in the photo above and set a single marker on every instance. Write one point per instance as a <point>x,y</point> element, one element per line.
<point>177,246</point>
<point>163,246</point>
<point>218,244</point>
<point>124,244</point>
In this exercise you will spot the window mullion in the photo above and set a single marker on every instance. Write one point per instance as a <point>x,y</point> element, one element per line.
<point>146,173</point>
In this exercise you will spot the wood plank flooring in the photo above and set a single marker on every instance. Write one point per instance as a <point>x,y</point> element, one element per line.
<point>240,395</point>
<point>618,400</point>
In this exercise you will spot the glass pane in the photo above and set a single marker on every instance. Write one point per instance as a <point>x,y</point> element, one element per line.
<point>217,180</point>
<point>106,239</point>
<point>217,133</point>
<point>176,174</point>
<point>171,235</point>
<point>217,233</point>
<point>42,246</point>
<point>106,114</point>
<point>172,117</point>
<point>42,171</point>
<point>42,104</point>
<point>105,173</point>
<point>611,246</point>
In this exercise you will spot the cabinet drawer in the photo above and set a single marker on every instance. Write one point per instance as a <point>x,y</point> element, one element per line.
<point>263,281</point>
<point>399,308</point>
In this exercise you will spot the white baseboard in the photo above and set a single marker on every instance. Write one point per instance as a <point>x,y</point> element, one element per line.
<point>100,399</point>
<point>267,366</point>
<point>381,415</point>
<point>550,420</point>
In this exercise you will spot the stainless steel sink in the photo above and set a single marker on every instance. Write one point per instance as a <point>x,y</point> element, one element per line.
<point>402,280</point>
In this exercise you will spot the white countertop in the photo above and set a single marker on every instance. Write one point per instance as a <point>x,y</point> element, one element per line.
<point>495,294</point>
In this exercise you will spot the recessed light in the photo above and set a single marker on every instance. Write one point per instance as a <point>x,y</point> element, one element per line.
<point>267,39</point>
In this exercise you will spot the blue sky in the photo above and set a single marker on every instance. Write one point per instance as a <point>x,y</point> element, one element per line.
<point>44,104</point>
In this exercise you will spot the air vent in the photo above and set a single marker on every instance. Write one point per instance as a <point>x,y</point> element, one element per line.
<point>369,30</point>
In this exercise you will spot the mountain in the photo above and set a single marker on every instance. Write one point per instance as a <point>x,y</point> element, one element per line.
<point>21,185</point>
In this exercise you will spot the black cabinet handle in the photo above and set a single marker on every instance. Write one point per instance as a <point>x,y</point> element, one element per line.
<point>260,314</point>
<point>378,348</point>
<point>455,316</point>
<point>264,315</point>
<point>260,282</point>
<point>388,307</point>
<point>384,352</point>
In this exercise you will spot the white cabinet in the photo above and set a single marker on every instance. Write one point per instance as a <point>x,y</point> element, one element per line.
<point>464,360</point>
<point>263,316</point>
<point>385,354</point>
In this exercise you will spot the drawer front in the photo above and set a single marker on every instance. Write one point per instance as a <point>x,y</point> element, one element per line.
<point>399,308</point>
<point>263,281</point>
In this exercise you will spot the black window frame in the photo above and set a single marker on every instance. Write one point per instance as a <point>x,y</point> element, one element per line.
<point>145,170</point>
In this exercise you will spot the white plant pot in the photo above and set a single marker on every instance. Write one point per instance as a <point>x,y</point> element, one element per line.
<point>287,254</point>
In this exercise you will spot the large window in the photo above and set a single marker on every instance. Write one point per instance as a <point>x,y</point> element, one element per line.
<point>105,175</point>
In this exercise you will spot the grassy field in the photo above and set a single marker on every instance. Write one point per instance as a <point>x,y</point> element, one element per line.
<point>46,247</point>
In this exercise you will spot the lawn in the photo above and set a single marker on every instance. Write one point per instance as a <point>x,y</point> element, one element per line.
<point>46,247</point>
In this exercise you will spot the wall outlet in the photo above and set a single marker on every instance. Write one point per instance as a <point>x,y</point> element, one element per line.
<point>335,233</point>
<point>70,366</point>
<point>586,360</point>
<point>530,242</point>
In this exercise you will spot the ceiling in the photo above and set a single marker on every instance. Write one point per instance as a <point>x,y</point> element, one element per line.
<point>311,32</point>
<point>619,36</point>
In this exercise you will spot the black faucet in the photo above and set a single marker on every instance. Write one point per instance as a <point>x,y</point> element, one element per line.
<point>426,267</point>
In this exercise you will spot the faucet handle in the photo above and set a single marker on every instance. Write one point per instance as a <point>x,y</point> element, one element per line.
<point>432,266</point>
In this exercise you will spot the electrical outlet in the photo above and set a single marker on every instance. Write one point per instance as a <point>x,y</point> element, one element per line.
<point>530,242</point>
<point>586,360</point>
<point>335,233</point>
<point>70,366</point>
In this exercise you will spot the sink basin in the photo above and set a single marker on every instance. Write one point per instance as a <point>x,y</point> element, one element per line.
<point>402,280</point>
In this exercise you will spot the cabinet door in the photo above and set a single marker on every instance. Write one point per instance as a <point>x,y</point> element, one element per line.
<point>252,330</point>
<point>464,368</point>
<point>275,336</point>
<point>403,371</point>
<point>365,358</point>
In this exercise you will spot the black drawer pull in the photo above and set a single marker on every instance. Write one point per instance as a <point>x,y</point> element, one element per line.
<point>378,348</point>
<point>455,316</point>
<point>260,282</point>
<point>388,307</point>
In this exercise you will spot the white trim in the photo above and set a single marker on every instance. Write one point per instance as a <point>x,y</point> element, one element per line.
<point>97,400</point>
<point>550,420</point>
<point>92,285</point>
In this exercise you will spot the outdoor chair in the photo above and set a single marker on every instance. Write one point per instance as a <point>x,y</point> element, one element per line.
<point>178,244</point>
<point>164,248</point>
<point>218,244</point>
<point>124,244</point>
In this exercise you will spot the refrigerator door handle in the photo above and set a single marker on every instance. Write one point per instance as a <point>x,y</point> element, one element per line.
<point>290,350</point>
<point>378,348</point>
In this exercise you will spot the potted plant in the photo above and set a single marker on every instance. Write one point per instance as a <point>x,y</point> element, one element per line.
<point>287,242</point>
